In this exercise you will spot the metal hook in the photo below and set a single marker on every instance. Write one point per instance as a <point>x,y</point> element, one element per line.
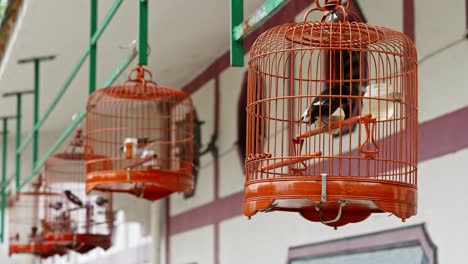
<point>342,204</point>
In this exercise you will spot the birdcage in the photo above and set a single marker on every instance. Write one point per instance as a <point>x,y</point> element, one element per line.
<point>37,220</point>
<point>139,138</point>
<point>91,215</point>
<point>332,120</point>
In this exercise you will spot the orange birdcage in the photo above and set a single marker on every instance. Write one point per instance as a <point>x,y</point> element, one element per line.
<point>139,138</point>
<point>332,120</point>
<point>91,215</point>
<point>37,220</point>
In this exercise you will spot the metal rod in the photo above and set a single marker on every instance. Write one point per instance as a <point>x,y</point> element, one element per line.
<point>120,68</point>
<point>36,112</point>
<point>93,47</point>
<point>324,187</point>
<point>4,169</point>
<point>338,215</point>
<point>8,180</point>
<point>237,46</point>
<point>143,33</point>
<point>36,61</point>
<point>18,141</point>
<point>72,75</point>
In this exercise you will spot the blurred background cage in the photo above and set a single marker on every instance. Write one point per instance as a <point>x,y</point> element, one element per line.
<point>332,120</point>
<point>139,138</point>
<point>91,215</point>
<point>37,218</point>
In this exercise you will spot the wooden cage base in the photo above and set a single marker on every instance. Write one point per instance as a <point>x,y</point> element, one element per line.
<point>357,197</point>
<point>148,184</point>
<point>80,243</point>
<point>41,250</point>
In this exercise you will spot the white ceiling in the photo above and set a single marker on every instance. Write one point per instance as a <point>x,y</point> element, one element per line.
<point>185,37</point>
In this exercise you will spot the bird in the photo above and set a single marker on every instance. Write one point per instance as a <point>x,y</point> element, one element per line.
<point>73,198</point>
<point>34,231</point>
<point>57,205</point>
<point>101,201</point>
<point>141,143</point>
<point>330,100</point>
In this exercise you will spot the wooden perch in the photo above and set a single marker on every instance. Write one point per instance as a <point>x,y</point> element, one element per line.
<point>140,162</point>
<point>290,161</point>
<point>337,125</point>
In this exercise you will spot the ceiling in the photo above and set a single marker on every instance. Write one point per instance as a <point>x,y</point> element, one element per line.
<point>185,37</point>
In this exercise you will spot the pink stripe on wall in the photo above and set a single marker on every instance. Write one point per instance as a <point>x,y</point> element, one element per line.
<point>466,13</point>
<point>214,212</point>
<point>408,19</point>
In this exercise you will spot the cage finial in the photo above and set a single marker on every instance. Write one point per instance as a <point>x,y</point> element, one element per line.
<point>334,10</point>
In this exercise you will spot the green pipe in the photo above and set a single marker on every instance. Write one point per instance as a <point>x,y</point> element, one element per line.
<point>36,112</point>
<point>115,74</point>
<point>110,14</point>
<point>4,169</point>
<point>72,75</point>
<point>143,33</point>
<point>18,140</point>
<point>36,61</point>
<point>237,46</point>
<point>261,14</point>
<point>92,48</point>
<point>8,180</point>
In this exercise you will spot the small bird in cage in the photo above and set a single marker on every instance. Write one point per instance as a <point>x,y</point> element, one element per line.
<point>57,205</point>
<point>325,106</point>
<point>135,146</point>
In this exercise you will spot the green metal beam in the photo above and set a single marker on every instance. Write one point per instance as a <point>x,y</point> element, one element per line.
<point>72,75</point>
<point>36,62</point>
<point>237,46</point>
<point>36,112</point>
<point>143,33</point>
<point>264,12</point>
<point>4,170</point>
<point>8,180</point>
<point>4,163</point>
<point>93,47</point>
<point>115,74</point>
<point>240,29</point>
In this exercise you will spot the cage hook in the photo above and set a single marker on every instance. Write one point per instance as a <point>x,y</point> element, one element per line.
<point>342,203</point>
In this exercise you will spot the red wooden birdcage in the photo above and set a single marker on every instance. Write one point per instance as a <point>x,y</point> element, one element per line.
<point>91,215</point>
<point>37,218</point>
<point>332,120</point>
<point>139,138</point>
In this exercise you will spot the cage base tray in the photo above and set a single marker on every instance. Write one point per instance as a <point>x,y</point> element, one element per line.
<point>80,243</point>
<point>148,184</point>
<point>362,197</point>
<point>40,250</point>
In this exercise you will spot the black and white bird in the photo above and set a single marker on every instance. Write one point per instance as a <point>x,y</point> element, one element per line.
<point>73,198</point>
<point>335,97</point>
